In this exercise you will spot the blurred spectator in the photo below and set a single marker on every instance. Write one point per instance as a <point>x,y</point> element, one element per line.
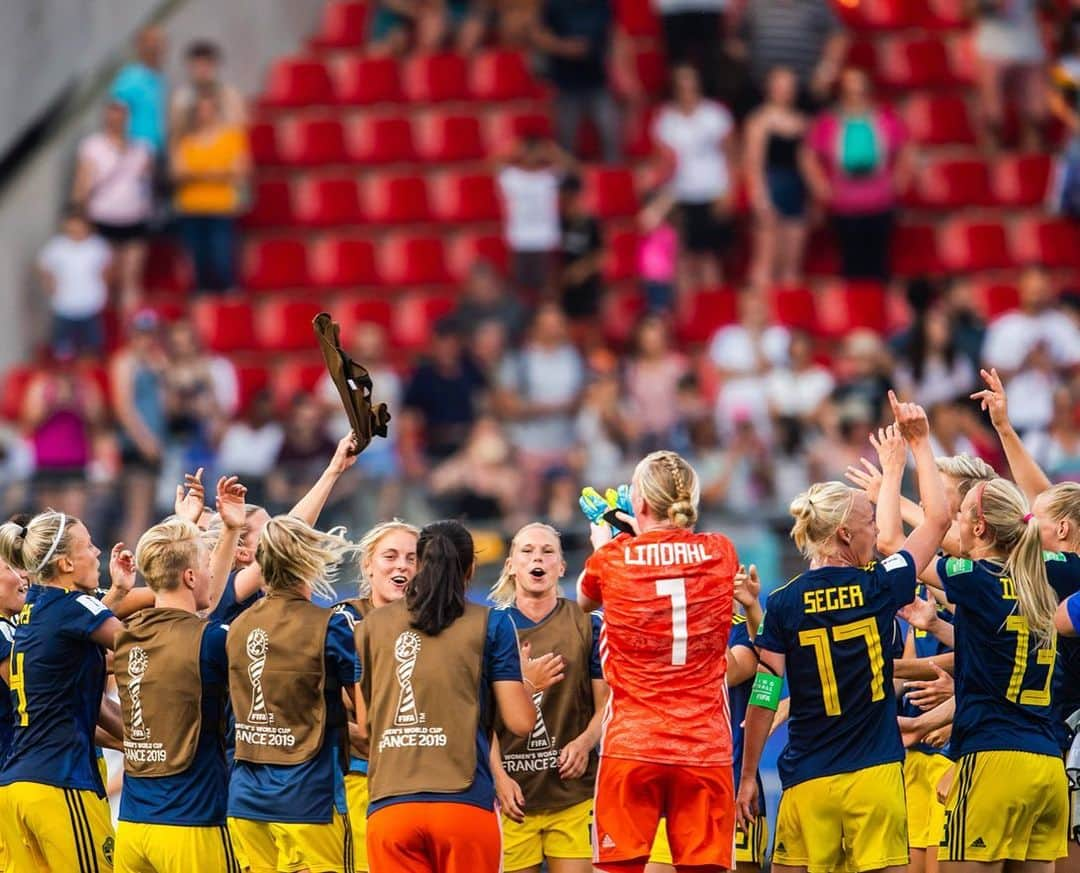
<point>529,183</point>
<point>302,456</point>
<point>968,327</point>
<point>141,86</point>
<point>483,298</point>
<point>857,163</point>
<point>16,468</point>
<point>426,25</point>
<point>796,392</point>
<point>210,166</point>
<point>442,400</point>
<point>933,370</point>
<point>692,31</point>
<point>843,440</point>
<point>576,37</point>
<point>136,377</point>
<point>114,186</point>
<point>488,348</point>
<point>1012,338</point>
<point>735,479</point>
<point>653,373</point>
<point>581,253</point>
<point>480,482</point>
<point>606,431</point>
<point>778,197</point>
<point>250,444</point>
<point>61,409</point>
<point>1030,390</point>
<point>539,387</point>
<point>203,65</point>
<point>74,268</point>
<point>949,421</point>
<point>559,507</point>
<point>863,372</point>
<point>658,251</point>
<point>804,35</point>
<point>1064,103</point>
<point>695,138</point>
<point>1009,47</point>
<point>1057,449</point>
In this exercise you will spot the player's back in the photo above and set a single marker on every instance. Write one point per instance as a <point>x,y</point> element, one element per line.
<point>667,598</point>
<point>835,627</point>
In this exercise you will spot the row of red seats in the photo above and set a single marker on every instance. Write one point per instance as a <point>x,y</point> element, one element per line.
<point>969,245</point>
<point>882,15</point>
<point>903,63</point>
<point>954,183</point>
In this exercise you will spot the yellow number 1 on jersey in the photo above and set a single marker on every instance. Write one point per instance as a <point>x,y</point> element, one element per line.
<point>818,640</point>
<point>18,685</point>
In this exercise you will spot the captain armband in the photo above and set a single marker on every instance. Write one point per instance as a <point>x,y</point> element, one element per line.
<point>766,691</point>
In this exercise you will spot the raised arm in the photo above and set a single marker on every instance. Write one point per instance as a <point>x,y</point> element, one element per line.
<point>923,542</point>
<point>229,502</point>
<point>311,504</point>
<point>892,453</point>
<point>1028,474</point>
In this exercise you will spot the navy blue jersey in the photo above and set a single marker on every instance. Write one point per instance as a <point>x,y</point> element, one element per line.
<point>1003,681</point>
<point>835,627</point>
<point>738,695</point>
<point>57,679</point>
<point>1063,571</point>
<point>926,646</point>
<point>227,609</point>
<point>7,712</point>
<point>197,796</point>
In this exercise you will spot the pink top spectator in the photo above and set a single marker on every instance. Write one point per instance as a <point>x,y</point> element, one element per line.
<point>861,194</point>
<point>120,186</point>
<point>657,253</point>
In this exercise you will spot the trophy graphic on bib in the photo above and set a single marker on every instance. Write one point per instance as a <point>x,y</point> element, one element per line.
<point>258,642</point>
<point>406,649</point>
<point>138,661</point>
<point>539,740</point>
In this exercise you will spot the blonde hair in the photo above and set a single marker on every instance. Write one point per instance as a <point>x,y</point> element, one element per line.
<point>670,488</point>
<point>291,553</point>
<point>166,550</point>
<point>35,547</point>
<point>370,541</point>
<point>819,512</point>
<point>1013,529</point>
<point>504,590</point>
<point>1063,503</point>
<point>215,525</point>
<point>966,470</point>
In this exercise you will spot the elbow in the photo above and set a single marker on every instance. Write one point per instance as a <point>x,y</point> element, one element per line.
<point>523,722</point>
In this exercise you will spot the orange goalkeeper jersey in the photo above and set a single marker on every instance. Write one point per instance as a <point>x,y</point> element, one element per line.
<point>667,597</point>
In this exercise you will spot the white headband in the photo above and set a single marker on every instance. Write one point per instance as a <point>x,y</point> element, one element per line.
<point>56,542</point>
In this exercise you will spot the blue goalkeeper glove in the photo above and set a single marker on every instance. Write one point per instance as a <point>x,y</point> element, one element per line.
<point>593,505</point>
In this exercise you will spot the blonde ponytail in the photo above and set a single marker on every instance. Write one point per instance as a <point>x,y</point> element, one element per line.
<point>504,591</point>
<point>34,548</point>
<point>670,488</point>
<point>819,512</point>
<point>291,553</point>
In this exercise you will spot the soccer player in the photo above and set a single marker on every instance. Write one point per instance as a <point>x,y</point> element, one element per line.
<point>431,665</point>
<point>831,629</point>
<point>172,676</point>
<point>289,662</point>
<point>12,597</point>
<point>545,781</point>
<point>666,746</point>
<point>52,814</point>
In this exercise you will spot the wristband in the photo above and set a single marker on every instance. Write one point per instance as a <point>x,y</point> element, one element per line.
<point>766,691</point>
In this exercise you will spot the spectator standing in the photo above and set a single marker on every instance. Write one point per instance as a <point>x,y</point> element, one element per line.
<point>581,254</point>
<point>1064,103</point>
<point>658,251</point>
<point>857,162</point>
<point>695,138</point>
<point>142,87</point>
<point>484,299</point>
<point>210,167</point>
<point>933,370</point>
<point>796,392</point>
<point>481,481</point>
<point>653,374</point>
<point>202,61</point>
<point>692,31</point>
<point>250,444</point>
<point>778,196</point>
<point>576,37</point>
<point>114,177</point>
<point>302,455</point>
<point>606,430</point>
<point>1057,449</point>
<point>74,269</point>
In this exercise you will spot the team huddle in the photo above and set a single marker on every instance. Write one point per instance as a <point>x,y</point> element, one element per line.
<point>930,704</point>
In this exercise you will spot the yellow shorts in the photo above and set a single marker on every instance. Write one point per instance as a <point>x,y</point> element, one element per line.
<point>152,848</point>
<point>564,833</point>
<point>925,813</point>
<point>850,821</point>
<point>50,828</point>
<point>276,847</point>
<point>1006,806</point>
<point>357,798</point>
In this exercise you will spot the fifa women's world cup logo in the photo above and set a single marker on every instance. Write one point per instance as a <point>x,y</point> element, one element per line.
<point>258,642</point>
<point>406,649</point>
<point>539,740</point>
<point>138,661</point>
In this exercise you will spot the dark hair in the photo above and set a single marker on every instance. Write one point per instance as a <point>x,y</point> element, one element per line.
<point>570,184</point>
<point>203,49</point>
<point>919,345</point>
<point>436,596</point>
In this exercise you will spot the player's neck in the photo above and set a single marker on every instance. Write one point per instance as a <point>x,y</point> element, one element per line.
<point>182,598</point>
<point>536,608</point>
<point>986,552</point>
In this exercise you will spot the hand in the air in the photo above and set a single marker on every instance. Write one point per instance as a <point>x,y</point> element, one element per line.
<point>747,585</point>
<point>910,419</point>
<point>229,501</point>
<point>190,497</point>
<point>992,399</point>
<point>890,447</point>
<point>868,479</point>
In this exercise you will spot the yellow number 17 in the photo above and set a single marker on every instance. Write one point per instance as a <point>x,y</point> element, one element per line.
<point>18,685</point>
<point>818,640</point>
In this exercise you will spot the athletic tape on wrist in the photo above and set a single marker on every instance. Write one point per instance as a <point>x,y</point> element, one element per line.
<point>766,691</point>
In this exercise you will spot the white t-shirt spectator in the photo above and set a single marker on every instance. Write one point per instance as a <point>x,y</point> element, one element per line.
<point>552,377</point>
<point>734,348</point>
<point>798,394</point>
<point>701,170</point>
<point>120,185</point>
<point>78,269</point>
<point>250,451</point>
<point>1031,400</point>
<point>531,198</point>
<point>1011,338</point>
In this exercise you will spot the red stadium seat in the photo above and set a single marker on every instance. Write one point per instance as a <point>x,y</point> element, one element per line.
<point>298,82</point>
<point>353,313</point>
<point>610,192</point>
<point>285,325</point>
<point>962,62</point>
<point>271,204</point>
<point>974,245</point>
<point>913,63</point>
<point>950,184</point>
<point>14,385</point>
<point>794,307</point>
<point>468,249</point>
<point>413,260</point>
<point>707,311</point>
<point>622,256</point>
<point>167,270</point>
<point>313,142</point>
<point>862,54</point>
<point>414,319</point>
<point>225,325</point>
<point>945,15</point>
<point>622,311</point>
<point>879,14</point>
<point>343,262</point>
<point>363,81</point>
<point>637,18</point>
<point>344,25</point>
<point>300,376</point>
<point>386,139</point>
<point>1048,241</point>
<point>435,78</point>
<point>251,379</point>
<point>262,140</point>
<point>507,127</point>
<point>467,197</point>
<point>914,251</point>
<point>638,140</point>
<point>1021,180</point>
<point>992,299</point>
<point>652,71</point>
<point>847,306</point>
<point>934,120</point>
<point>501,74</point>
<point>397,199</point>
<point>324,202</point>
<point>275,264</point>
<point>442,137</point>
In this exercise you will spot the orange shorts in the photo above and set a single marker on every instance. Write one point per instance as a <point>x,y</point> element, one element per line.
<point>434,838</point>
<point>632,797</point>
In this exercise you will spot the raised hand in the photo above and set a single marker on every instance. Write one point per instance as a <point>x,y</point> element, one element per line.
<point>890,447</point>
<point>229,501</point>
<point>593,505</point>
<point>345,455</point>
<point>190,497</point>
<point>910,419</point>
<point>868,479</point>
<point>992,399</point>
<point>122,568</point>
<point>747,585</point>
